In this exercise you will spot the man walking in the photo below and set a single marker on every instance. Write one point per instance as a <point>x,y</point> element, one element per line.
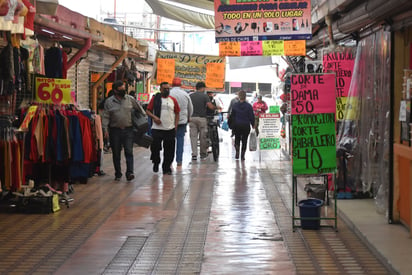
<point>186,111</point>
<point>198,121</point>
<point>117,124</point>
<point>164,111</point>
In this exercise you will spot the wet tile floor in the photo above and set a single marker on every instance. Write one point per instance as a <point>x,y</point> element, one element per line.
<point>228,217</point>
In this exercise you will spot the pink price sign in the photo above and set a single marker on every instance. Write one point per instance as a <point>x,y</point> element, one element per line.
<point>313,93</point>
<point>251,48</point>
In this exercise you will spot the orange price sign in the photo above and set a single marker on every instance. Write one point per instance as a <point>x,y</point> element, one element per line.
<point>29,115</point>
<point>53,90</point>
<point>229,48</point>
<point>215,75</point>
<point>295,47</point>
<point>165,70</point>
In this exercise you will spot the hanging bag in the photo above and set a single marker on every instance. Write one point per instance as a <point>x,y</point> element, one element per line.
<point>252,141</point>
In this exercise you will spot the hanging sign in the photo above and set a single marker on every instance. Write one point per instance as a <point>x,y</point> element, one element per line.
<point>274,109</point>
<point>215,75</point>
<point>165,70</point>
<point>313,93</point>
<point>313,144</point>
<point>29,115</point>
<point>192,68</point>
<point>249,20</point>
<point>342,64</point>
<point>53,90</point>
<point>229,49</point>
<point>263,48</point>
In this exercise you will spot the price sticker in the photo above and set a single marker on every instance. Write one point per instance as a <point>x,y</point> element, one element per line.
<point>53,90</point>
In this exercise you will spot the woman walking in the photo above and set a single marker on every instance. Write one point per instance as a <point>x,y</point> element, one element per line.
<point>243,116</point>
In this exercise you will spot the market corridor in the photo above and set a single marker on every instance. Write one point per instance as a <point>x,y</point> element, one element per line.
<point>228,217</point>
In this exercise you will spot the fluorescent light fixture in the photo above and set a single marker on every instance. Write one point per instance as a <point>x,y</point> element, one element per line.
<point>69,38</point>
<point>47,31</point>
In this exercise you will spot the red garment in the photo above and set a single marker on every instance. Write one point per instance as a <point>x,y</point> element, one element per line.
<point>259,108</point>
<point>64,64</point>
<point>86,130</point>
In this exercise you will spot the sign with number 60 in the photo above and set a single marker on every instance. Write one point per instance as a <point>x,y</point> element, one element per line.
<point>53,90</point>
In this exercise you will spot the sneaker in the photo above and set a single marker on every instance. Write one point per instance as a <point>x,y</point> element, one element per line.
<point>194,157</point>
<point>155,167</point>
<point>130,177</point>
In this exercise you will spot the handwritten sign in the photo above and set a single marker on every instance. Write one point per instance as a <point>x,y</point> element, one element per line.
<point>229,49</point>
<point>313,93</point>
<point>29,115</point>
<point>143,97</point>
<point>109,86</point>
<point>215,75</point>
<point>274,109</point>
<point>191,68</point>
<point>251,48</point>
<point>342,64</point>
<point>269,125</point>
<point>313,143</point>
<point>347,108</point>
<point>295,48</point>
<point>165,70</point>
<point>269,143</point>
<point>273,47</point>
<point>53,90</point>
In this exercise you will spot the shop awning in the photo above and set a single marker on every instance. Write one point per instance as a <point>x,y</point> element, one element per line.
<point>185,14</point>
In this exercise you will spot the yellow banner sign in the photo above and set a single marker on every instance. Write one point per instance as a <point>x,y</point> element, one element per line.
<point>53,90</point>
<point>347,108</point>
<point>165,70</point>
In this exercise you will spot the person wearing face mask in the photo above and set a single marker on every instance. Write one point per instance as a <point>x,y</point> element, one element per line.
<point>117,124</point>
<point>164,111</point>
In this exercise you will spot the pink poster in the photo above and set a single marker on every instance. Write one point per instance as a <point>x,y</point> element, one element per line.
<point>313,93</point>
<point>251,48</point>
<point>236,84</point>
<point>342,64</point>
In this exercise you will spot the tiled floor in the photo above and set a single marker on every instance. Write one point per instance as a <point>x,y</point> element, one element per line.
<point>228,217</point>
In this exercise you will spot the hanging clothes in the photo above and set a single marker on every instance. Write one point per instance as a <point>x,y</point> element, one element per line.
<point>53,60</point>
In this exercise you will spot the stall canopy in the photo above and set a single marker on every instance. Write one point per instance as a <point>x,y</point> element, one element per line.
<point>186,11</point>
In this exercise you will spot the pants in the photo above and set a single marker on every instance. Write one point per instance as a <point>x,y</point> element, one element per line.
<point>122,138</point>
<point>257,125</point>
<point>180,140</point>
<point>168,140</point>
<point>198,129</point>
<point>241,134</point>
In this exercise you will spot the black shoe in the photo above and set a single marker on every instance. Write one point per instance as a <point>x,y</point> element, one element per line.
<point>117,178</point>
<point>155,167</point>
<point>101,173</point>
<point>130,177</point>
<point>167,173</point>
<point>194,157</point>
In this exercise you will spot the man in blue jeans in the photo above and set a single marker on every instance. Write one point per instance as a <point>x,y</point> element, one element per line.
<point>186,110</point>
<point>117,124</point>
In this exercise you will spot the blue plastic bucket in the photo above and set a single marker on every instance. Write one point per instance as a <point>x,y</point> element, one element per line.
<point>310,208</point>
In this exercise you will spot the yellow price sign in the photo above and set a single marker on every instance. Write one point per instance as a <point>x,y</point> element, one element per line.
<point>53,90</point>
<point>273,47</point>
<point>29,115</point>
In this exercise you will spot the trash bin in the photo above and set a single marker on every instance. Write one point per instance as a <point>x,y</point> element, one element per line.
<point>310,208</point>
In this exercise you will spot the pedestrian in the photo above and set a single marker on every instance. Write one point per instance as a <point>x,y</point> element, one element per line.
<point>198,121</point>
<point>229,111</point>
<point>186,111</point>
<point>117,122</point>
<point>243,118</point>
<point>106,142</point>
<point>259,107</point>
<point>164,111</point>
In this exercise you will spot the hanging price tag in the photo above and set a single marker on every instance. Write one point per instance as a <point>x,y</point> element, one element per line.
<point>53,90</point>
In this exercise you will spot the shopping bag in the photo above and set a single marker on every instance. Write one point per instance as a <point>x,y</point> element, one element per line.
<point>225,125</point>
<point>252,141</point>
<point>140,123</point>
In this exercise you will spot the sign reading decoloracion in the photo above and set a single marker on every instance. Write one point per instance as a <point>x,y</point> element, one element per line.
<point>252,20</point>
<point>192,68</point>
